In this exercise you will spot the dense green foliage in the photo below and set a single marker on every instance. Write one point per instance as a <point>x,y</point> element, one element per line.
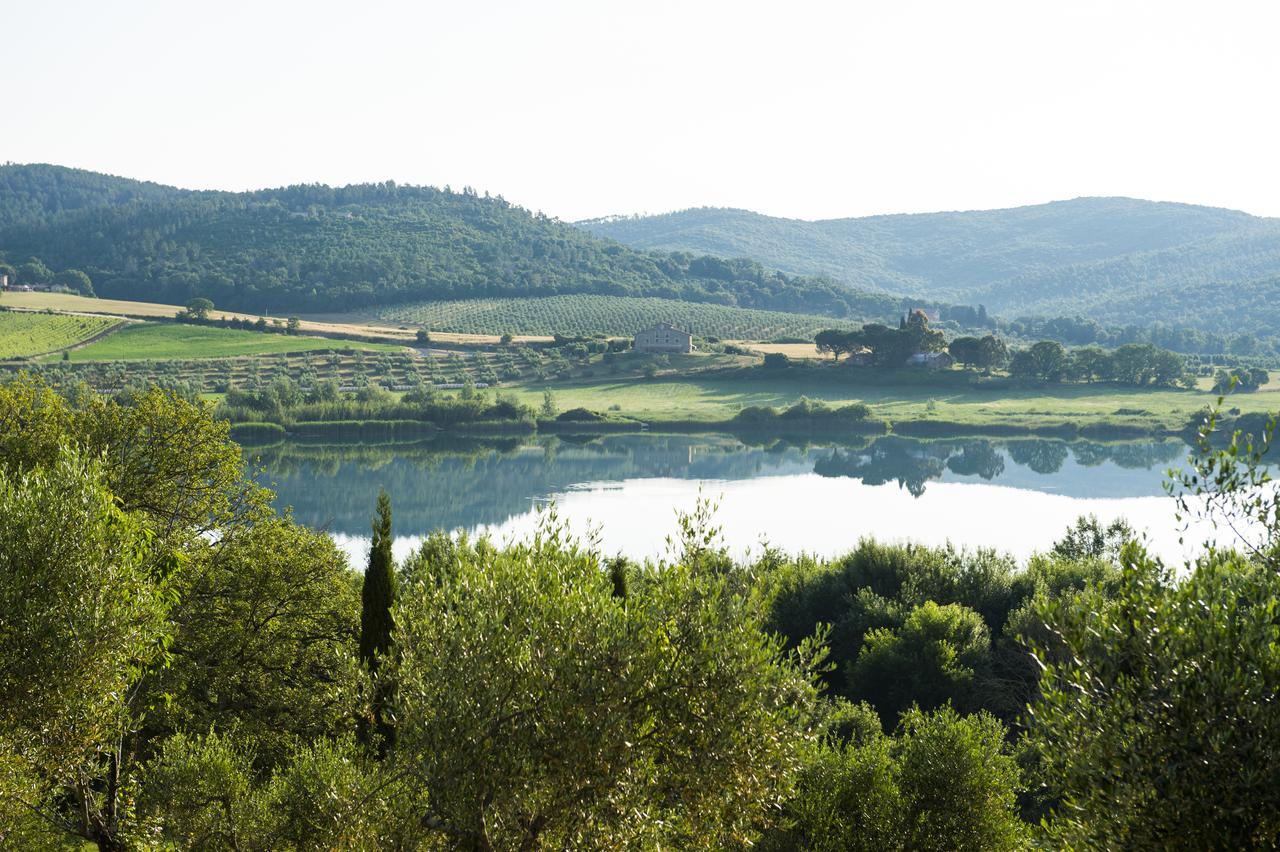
<point>283,402</point>
<point>1118,261</point>
<point>1228,338</point>
<point>37,191</point>
<point>920,626</point>
<point>23,334</point>
<point>612,315</point>
<point>612,711</point>
<point>1133,364</point>
<point>885,346</point>
<point>1158,727</point>
<point>805,412</point>
<point>82,599</point>
<point>944,782</point>
<point>316,248</point>
<point>181,668</point>
<point>1226,381</point>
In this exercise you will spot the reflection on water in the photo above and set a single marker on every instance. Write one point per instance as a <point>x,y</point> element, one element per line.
<point>1016,494</point>
<point>465,484</point>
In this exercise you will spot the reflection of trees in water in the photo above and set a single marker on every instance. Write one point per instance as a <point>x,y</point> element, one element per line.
<point>912,463</point>
<point>464,482</point>
<point>977,458</point>
<point>1131,456</point>
<point>1041,456</point>
<point>461,484</point>
<point>890,459</point>
<point>1144,456</point>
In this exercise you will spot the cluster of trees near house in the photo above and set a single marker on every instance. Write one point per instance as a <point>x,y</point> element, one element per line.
<point>1135,364</point>
<point>34,272</point>
<point>182,666</point>
<point>888,346</point>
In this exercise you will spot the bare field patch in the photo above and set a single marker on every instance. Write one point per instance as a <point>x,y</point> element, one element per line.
<point>791,350</point>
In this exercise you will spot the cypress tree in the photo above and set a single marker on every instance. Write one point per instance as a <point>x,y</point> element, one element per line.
<point>377,596</point>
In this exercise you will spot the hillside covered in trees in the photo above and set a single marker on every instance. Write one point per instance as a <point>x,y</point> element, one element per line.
<point>320,248</point>
<point>1119,261</point>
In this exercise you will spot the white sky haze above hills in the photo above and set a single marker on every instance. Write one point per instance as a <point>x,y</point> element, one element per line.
<point>583,109</point>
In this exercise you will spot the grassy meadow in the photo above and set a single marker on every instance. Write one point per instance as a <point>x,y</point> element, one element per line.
<point>162,341</point>
<point>896,396</point>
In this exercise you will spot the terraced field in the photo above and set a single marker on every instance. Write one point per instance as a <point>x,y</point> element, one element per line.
<point>24,335</point>
<point>612,315</point>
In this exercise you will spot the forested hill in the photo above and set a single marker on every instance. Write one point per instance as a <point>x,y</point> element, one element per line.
<point>35,192</point>
<point>315,248</point>
<point>1116,260</point>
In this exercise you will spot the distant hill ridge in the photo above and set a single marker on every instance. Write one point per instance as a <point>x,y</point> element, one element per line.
<point>320,248</point>
<point>1116,260</point>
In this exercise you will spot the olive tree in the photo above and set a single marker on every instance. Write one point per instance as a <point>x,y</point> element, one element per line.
<point>539,708</point>
<point>1157,724</point>
<point>83,597</point>
<point>940,782</point>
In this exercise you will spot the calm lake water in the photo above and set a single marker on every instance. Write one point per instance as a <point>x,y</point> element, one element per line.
<point>1017,495</point>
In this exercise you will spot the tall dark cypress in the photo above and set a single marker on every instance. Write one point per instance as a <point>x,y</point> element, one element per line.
<point>378,593</point>
<point>377,596</point>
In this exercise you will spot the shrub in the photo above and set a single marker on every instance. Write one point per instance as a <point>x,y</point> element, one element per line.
<point>581,415</point>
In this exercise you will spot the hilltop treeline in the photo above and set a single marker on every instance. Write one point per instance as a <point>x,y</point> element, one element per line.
<point>1117,261</point>
<point>183,667</point>
<point>315,248</point>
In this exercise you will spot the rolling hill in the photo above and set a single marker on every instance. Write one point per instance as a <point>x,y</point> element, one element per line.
<point>318,248</point>
<point>1115,260</point>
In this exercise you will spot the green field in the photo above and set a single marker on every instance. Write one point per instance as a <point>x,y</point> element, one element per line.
<point>897,396</point>
<point>159,341</point>
<point>23,335</point>
<point>612,315</point>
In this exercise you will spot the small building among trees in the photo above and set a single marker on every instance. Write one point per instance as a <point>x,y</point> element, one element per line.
<point>931,360</point>
<point>663,337</point>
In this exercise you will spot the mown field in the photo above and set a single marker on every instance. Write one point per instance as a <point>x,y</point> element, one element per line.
<point>611,315</point>
<point>25,335</point>
<point>160,341</point>
<point>897,396</point>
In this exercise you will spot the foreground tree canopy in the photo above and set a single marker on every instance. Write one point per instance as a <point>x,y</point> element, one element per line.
<point>182,666</point>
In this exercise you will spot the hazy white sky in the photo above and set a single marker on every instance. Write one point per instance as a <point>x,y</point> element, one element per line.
<point>793,108</point>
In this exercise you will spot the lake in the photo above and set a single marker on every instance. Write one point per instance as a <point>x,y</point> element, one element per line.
<point>1017,495</point>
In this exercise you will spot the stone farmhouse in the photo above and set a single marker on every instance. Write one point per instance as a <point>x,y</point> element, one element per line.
<point>663,337</point>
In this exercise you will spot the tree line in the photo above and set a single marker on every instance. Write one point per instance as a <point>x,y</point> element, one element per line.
<point>1135,364</point>
<point>183,666</point>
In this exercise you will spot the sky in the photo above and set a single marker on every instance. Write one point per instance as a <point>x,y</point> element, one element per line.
<point>583,109</point>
